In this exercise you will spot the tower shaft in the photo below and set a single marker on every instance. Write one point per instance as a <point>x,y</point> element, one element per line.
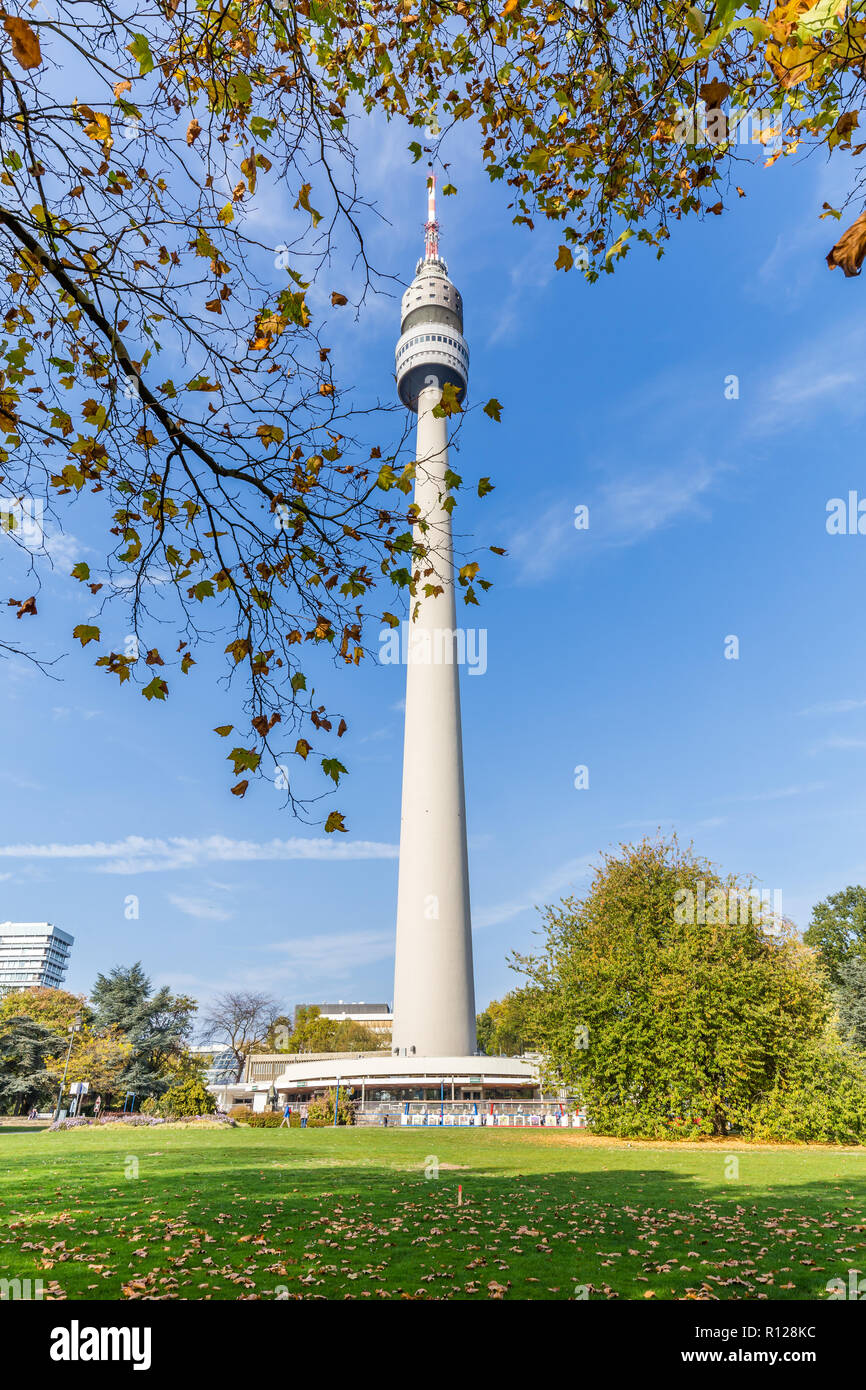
<point>434,995</point>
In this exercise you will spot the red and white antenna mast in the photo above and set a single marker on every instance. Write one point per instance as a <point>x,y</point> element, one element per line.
<point>431,226</point>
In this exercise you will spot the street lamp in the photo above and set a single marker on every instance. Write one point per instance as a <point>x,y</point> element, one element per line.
<point>73,1029</point>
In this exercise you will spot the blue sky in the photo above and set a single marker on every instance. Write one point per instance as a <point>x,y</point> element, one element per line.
<point>605,646</point>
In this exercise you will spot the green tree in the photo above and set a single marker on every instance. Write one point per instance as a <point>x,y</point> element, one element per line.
<point>55,1009</point>
<point>25,1075</point>
<point>667,1000</point>
<point>507,1026</point>
<point>157,1025</point>
<point>312,1033</point>
<point>99,1057</point>
<point>819,1098</point>
<point>837,930</point>
<point>850,996</point>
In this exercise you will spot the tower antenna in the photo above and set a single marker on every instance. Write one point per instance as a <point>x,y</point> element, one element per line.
<point>431,226</point>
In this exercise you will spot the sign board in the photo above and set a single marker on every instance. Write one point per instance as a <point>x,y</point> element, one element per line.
<point>79,1088</point>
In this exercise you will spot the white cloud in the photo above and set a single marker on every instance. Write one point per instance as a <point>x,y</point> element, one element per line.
<point>540,547</point>
<point>312,954</point>
<point>837,741</point>
<point>826,374</point>
<point>834,707</point>
<point>566,876</point>
<point>138,854</point>
<point>621,513</point>
<point>24,784</point>
<point>310,964</point>
<point>199,908</point>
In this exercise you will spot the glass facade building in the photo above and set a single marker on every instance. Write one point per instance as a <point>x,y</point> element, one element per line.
<point>33,954</point>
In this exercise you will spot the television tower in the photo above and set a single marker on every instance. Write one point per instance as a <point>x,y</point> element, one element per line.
<point>434,990</point>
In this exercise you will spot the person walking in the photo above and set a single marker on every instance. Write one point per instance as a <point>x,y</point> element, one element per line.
<point>287,1115</point>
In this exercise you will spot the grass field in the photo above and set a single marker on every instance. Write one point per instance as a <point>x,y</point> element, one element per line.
<point>241,1213</point>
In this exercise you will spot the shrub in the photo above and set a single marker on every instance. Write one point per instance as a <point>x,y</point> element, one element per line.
<point>189,1098</point>
<point>820,1101</point>
<point>264,1121</point>
<point>240,1112</point>
<point>320,1111</point>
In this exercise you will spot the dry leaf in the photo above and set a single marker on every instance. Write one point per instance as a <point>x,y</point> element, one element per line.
<point>25,44</point>
<point>850,248</point>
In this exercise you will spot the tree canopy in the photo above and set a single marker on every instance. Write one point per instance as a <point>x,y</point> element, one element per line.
<point>165,369</point>
<point>837,930</point>
<point>155,1025</point>
<point>312,1033</point>
<point>507,1026</point>
<point>674,1005</point>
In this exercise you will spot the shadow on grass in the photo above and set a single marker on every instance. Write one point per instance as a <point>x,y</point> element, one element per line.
<point>243,1219</point>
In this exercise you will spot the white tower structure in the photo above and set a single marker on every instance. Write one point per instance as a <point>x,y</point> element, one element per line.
<point>434,992</point>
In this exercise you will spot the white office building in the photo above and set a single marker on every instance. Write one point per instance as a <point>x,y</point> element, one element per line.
<point>33,954</point>
<point>377,1018</point>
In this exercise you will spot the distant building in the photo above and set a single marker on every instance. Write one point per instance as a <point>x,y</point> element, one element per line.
<point>33,954</point>
<point>378,1018</point>
<point>218,1063</point>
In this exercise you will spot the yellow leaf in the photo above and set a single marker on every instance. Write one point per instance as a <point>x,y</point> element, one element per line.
<point>99,128</point>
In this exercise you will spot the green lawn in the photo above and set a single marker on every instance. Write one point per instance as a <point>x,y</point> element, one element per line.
<point>333,1213</point>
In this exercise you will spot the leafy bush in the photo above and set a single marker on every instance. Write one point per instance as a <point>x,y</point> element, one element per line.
<point>240,1112</point>
<point>820,1101</point>
<point>320,1111</point>
<point>264,1121</point>
<point>189,1098</point>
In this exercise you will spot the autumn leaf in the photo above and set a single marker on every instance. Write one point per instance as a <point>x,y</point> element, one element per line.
<point>304,202</point>
<point>140,50</point>
<point>223,730</point>
<point>338,299</point>
<point>239,789</point>
<point>193,131</point>
<point>565,260</point>
<point>25,42</point>
<point>714,93</point>
<point>270,434</point>
<point>244,759</point>
<point>334,822</point>
<point>493,409</point>
<point>85,633</point>
<point>850,248</point>
<point>156,690</point>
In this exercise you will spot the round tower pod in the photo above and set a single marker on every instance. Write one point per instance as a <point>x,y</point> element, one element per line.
<point>431,349</point>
